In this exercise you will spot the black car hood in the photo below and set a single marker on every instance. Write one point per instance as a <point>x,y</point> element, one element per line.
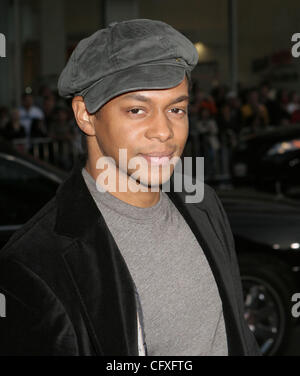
<point>263,218</point>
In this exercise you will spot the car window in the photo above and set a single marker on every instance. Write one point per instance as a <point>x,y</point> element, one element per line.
<point>23,191</point>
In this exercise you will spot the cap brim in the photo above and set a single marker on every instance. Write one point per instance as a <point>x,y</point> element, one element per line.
<point>142,77</point>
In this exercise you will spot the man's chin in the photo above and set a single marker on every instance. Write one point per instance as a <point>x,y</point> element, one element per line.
<point>151,181</point>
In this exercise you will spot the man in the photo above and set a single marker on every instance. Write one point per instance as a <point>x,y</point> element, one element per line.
<point>29,112</point>
<point>131,270</point>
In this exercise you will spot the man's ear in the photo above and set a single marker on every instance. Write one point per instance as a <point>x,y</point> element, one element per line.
<point>83,118</point>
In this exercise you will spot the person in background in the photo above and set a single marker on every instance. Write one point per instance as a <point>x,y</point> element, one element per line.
<point>61,127</point>
<point>14,129</point>
<point>44,92</point>
<point>266,98</point>
<point>38,129</point>
<point>296,117</point>
<point>197,100</point>
<point>281,113</point>
<point>294,103</point>
<point>202,99</point>
<point>208,135</point>
<point>227,135</point>
<point>219,95</point>
<point>253,109</point>
<point>254,125</point>
<point>29,112</point>
<point>49,104</point>
<point>209,103</point>
<point>61,130</point>
<point>234,103</point>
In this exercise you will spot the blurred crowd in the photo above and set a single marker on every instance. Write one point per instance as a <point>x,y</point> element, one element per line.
<point>217,120</point>
<point>43,119</point>
<point>44,115</point>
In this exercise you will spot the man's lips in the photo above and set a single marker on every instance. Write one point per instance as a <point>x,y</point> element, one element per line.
<point>158,158</point>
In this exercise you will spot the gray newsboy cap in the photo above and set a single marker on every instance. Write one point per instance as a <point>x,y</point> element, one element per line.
<point>126,56</point>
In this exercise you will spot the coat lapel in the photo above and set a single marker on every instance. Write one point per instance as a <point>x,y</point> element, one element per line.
<point>97,270</point>
<point>201,222</point>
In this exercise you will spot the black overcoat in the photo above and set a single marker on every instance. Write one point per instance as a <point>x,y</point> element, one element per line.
<point>69,292</point>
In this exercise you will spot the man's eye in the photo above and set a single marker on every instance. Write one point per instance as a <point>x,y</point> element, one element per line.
<point>178,111</point>
<point>135,111</point>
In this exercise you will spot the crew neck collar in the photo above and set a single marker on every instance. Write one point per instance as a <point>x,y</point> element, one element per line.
<point>119,206</point>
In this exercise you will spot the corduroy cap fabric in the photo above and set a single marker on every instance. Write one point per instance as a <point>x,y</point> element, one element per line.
<point>127,56</point>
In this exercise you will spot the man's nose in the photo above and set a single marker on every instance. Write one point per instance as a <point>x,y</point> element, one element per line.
<point>160,127</point>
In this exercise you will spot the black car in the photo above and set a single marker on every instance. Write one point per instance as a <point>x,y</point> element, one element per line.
<point>25,186</point>
<point>267,239</point>
<point>269,161</point>
<point>265,230</point>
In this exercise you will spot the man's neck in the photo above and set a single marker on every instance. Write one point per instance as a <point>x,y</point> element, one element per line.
<point>140,199</point>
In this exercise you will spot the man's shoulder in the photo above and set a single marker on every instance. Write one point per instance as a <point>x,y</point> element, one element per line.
<point>36,239</point>
<point>33,257</point>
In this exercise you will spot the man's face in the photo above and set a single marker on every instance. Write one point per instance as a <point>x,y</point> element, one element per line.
<point>151,125</point>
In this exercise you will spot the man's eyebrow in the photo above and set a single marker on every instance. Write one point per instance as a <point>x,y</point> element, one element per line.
<point>182,98</point>
<point>143,98</point>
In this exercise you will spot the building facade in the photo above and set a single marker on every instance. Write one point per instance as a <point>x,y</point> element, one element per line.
<point>41,34</point>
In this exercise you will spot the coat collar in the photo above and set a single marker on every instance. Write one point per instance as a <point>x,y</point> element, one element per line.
<point>97,269</point>
<point>100,273</point>
<point>77,213</point>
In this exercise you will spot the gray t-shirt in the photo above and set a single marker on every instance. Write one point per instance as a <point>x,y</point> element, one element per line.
<point>182,309</point>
